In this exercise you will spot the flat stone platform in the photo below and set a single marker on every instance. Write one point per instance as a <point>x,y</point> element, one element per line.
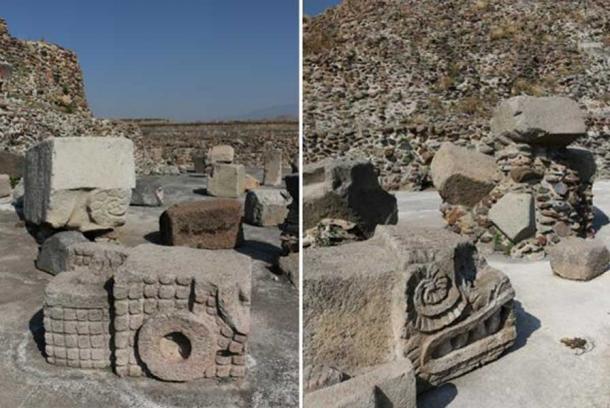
<point>27,381</point>
<point>538,371</point>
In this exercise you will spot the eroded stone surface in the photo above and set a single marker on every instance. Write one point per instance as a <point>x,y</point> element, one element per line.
<point>77,321</point>
<point>184,312</point>
<point>514,214</point>
<point>416,292</point>
<point>54,251</point>
<point>463,176</point>
<point>227,180</point>
<point>579,259</point>
<point>79,183</point>
<point>346,189</point>
<point>99,259</point>
<point>547,121</point>
<point>210,224</point>
<point>387,385</point>
<point>265,207</point>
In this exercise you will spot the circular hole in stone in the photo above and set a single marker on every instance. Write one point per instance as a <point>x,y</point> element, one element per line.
<point>175,346</point>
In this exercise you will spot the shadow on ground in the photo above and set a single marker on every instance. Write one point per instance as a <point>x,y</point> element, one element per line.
<point>526,325</point>
<point>439,397</point>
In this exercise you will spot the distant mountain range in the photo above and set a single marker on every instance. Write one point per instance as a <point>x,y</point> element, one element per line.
<point>274,112</point>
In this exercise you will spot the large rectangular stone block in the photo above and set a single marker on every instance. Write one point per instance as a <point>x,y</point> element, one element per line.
<point>80,183</point>
<point>273,166</point>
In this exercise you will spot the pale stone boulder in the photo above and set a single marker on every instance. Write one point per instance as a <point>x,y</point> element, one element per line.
<point>463,176</point>
<point>227,180</point>
<point>54,251</point>
<point>5,185</point>
<point>408,291</point>
<point>387,385</point>
<point>266,207</point>
<point>579,259</point>
<point>272,166</point>
<point>547,121</point>
<point>515,215</point>
<point>81,183</point>
<point>346,189</point>
<point>221,154</point>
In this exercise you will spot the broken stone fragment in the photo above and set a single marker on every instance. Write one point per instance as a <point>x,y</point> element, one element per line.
<point>147,193</point>
<point>346,189</point>
<point>221,154</point>
<point>546,121</point>
<point>209,224</point>
<point>53,254</point>
<point>579,259</point>
<point>98,258</point>
<point>408,291</point>
<point>251,183</point>
<point>184,312</point>
<point>80,183</point>
<point>265,207</point>
<point>514,214</point>
<point>272,158</point>
<point>463,176</point>
<point>227,180</point>
<point>5,185</point>
<point>387,385</point>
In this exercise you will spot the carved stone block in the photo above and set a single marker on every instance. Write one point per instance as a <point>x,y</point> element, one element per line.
<point>181,313</point>
<point>79,183</point>
<point>407,292</point>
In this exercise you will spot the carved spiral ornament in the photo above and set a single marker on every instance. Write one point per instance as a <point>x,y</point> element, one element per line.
<point>434,300</point>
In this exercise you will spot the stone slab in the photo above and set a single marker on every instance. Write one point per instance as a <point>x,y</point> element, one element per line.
<point>388,385</point>
<point>53,254</point>
<point>547,121</point>
<point>514,214</point>
<point>266,207</point>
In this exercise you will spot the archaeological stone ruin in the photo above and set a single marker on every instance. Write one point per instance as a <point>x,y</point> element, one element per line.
<point>408,292</point>
<point>535,192</point>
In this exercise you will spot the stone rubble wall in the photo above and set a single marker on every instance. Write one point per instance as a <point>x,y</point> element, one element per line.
<point>174,144</point>
<point>392,80</point>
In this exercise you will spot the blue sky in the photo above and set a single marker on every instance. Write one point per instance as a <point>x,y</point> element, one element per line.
<point>313,7</point>
<point>181,59</point>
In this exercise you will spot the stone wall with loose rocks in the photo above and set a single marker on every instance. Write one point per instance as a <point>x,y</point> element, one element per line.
<point>175,144</point>
<point>392,80</point>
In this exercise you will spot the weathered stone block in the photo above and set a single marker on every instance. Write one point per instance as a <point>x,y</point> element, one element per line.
<point>53,254</point>
<point>272,165</point>
<point>98,258</point>
<point>515,215</point>
<point>387,385</point>
<point>5,185</point>
<point>547,121</point>
<point>289,266</point>
<point>349,190</point>
<point>77,321</point>
<point>147,193</point>
<point>221,154</point>
<point>266,207</point>
<point>79,183</point>
<point>463,176</point>
<point>177,340</point>
<point>227,180</point>
<point>408,291</point>
<point>579,259</point>
<point>209,224</point>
